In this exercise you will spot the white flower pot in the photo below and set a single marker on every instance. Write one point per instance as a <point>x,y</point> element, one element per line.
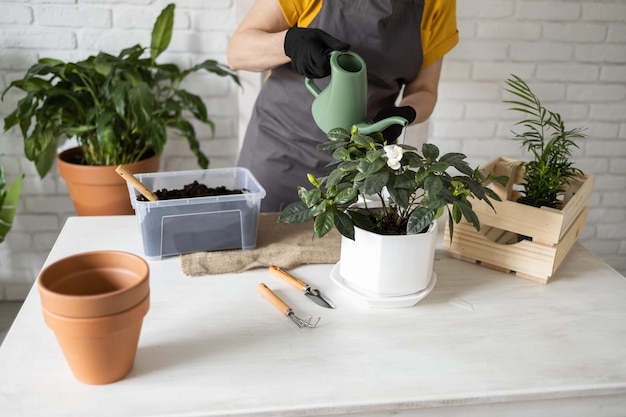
<point>388,265</point>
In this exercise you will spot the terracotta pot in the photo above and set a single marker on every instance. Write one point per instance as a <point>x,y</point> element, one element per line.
<point>95,303</point>
<point>94,284</point>
<point>388,265</point>
<point>99,190</point>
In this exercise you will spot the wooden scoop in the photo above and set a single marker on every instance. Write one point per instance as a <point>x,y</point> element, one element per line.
<point>138,185</point>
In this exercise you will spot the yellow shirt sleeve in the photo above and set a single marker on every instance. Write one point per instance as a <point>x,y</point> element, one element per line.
<point>439,30</point>
<point>300,12</point>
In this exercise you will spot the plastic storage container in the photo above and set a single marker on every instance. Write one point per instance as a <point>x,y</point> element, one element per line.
<point>171,227</point>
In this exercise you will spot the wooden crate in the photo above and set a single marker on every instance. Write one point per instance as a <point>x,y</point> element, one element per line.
<point>549,233</point>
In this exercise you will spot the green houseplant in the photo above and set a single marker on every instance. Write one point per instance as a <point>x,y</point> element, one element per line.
<point>119,108</point>
<point>384,200</point>
<point>411,189</point>
<point>543,208</point>
<point>9,197</point>
<point>550,144</point>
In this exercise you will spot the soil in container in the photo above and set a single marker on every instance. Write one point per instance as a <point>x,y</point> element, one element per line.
<point>195,189</point>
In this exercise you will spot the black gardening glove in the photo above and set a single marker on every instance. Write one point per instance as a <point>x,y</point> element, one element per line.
<point>309,49</point>
<point>392,132</point>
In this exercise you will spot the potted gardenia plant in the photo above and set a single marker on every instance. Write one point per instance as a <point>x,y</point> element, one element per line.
<point>118,107</point>
<point>544,206</point>
<point>388,196</point>
<point>9,197</point>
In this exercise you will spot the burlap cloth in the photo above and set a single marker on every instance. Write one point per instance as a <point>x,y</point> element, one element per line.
<point>285,245</point>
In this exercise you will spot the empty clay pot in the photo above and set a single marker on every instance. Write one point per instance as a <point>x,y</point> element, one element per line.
<point>94,284</point>
<point>95,303</point>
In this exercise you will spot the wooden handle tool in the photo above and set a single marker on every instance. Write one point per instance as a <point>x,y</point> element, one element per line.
<point>284,308</point>
<point>138,185</point>
<point>286,276</point>
<point>274,299</point>
<point>313,294</point>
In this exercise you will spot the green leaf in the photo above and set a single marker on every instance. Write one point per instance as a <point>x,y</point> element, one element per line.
<point>194,104</point>
<point>361,220</point>
<point>324,223</point>
<point>9,200</point>
<point>363,140</point>
<point>296,212</point>
<point>456,213</point>
<point>107,140</point>
<point>162,32</point>
<point>344,225</point>
<point>400,196</point>
<point>141,103</point>
<point>430,151</point>
<point>375,154</point>
<point>45,159</point>
<point>413,160</point>
<point>310,197</point>
<point>188,131</point>
<point>376,182</point>
<point>452,158</point>
<point>214,67</point>
<point>341,154</point>
<point>468,213</point>
<point>335,177</point>
<point>450,226</point>
<point>419,220</point>
<point>330,146</point>
<point>338,134</point>
<point>348,166</point>
<point>463,167</point>
<point>321,207</point>
<point>433,185</point>
<point>34,84</point>
<point>118,97</point>
<point>370,167</point>
<point>346,196</point>
<point>405,180</point>
<point>438,166</point>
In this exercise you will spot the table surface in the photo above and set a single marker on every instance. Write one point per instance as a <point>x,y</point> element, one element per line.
<point>482,342</point>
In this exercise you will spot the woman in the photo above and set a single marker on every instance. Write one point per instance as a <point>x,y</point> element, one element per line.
<point>402,42</point>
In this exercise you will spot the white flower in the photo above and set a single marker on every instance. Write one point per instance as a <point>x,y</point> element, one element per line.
<point>394,155</point>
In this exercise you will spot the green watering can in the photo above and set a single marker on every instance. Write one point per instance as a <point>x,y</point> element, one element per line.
<point>343,103</point>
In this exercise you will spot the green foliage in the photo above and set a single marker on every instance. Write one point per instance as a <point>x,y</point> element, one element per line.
<point>9,197</point>
<point>410,189</point>
<point>550,144</point>
<point>118,107</point>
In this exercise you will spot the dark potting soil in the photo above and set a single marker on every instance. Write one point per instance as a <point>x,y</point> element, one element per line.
<point>195,189</point>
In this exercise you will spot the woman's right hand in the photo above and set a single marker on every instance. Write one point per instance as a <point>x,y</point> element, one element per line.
<point>309,51</point>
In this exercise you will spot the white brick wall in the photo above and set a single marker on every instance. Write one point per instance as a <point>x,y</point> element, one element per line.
<point>571,52</point>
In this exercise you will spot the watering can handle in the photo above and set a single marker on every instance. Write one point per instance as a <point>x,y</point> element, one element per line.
<point>310,84</point>
<point>312,87</point>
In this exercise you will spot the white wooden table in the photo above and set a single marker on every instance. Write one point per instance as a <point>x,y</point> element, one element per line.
<point>482,343</point>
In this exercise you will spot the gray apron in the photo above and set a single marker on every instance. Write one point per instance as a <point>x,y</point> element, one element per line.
<point>280,142</point>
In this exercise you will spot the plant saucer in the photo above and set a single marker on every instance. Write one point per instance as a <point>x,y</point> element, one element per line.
<point>374,301</point>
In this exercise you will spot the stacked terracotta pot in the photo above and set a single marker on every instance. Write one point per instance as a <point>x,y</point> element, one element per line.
<point>95,303</point>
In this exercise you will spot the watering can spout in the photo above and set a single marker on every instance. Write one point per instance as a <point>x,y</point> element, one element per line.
<point>380,125</point>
